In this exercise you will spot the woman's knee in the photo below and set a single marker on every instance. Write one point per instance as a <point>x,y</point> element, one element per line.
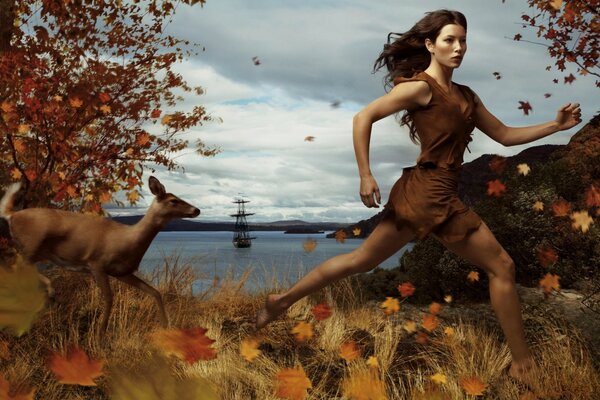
<point>504,267</point>
<point>361,261</point>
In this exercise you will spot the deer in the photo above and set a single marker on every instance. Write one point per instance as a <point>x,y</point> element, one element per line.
<point>92,243</point>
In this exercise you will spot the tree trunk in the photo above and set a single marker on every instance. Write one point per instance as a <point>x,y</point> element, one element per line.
<point>7,18</point>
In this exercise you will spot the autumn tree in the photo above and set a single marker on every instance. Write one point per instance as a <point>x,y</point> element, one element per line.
<point>88,97</point>
<point>570,30</point>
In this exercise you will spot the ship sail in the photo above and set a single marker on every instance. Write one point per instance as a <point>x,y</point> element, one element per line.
<point>241,234</point>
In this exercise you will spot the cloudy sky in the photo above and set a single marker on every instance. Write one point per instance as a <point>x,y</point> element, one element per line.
<point>316,52</point>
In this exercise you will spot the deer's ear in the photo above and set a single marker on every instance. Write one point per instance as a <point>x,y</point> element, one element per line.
<point>156,187</point>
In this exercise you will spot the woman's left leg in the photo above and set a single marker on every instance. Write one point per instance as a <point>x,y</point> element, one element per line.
<point>482,249</point>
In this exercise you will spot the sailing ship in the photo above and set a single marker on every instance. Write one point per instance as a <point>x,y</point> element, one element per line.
<point>241,234</point>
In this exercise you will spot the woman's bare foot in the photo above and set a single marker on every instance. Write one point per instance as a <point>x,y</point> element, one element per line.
<point>525,373</point>
<point>270,311</point>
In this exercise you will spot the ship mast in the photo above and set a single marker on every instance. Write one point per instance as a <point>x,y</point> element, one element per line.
<point>241,235</point>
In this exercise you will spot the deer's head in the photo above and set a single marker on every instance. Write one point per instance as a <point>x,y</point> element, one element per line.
<point>170,206</point>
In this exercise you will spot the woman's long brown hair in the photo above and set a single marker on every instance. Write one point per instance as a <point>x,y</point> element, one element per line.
<point>408,55</point>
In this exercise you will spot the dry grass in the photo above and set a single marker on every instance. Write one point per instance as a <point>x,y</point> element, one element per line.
<point>227,311</point>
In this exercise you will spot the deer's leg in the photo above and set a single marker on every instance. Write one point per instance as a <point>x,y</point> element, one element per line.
<point>107,295</point>
<point>136,282</point>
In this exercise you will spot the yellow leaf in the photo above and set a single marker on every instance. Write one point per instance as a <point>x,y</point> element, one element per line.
<point>538,206</point>
<point>364,385</point>
<point>15,174</point>
<point>166,120</point>
<point>133,196</point>
<point>302,331</point>
<point>105,109</point>
<point>57,98</point>
<point>249,348</point>
<point>309,245</point>
<point>581,220</point>
<point>23,128</point>
<point>410,326</point>
<point>439,378</point>
<point>473,276</point>
<point>449,331</point>
<point>473,386</point>
<point>156,380</point>
<point>356,231</point>
<point>390,305</point>
<point>448,299</point>
<point>349,351</point>
<point>523,169</point>
<point>556,4</point>
<point>21,297</point>
<point>373,362</point>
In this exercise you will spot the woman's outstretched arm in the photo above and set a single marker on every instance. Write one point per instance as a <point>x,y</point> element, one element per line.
<point>405,96</point>
<point>567,117</point>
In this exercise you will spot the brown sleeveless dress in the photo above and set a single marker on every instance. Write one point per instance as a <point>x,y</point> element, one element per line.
<point>425,198</point>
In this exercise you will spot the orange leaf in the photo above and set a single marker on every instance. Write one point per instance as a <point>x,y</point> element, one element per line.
<point>473,386</point>
<point>155,113</point>
<point>105,109</point>
<point>349,351</point>
<point>15,174</point>
<point>592,196</point>
<point>20,146</point>
<point>142,139</point>
<point>302,331</point>
<point>406,289</point>
<point>546,256</point>
<point>5,390</point>
<point>581,220</point>
<point>364,385</point>
<point>166,120</point>
<point>105,197</point>
<point>340,236</point>
<point>105,98</point>
<point>76,368</point>
<point>430,322</point>
<point>473,276</point>
<point>495,188</point>
<point>31,174</point>
<point>321,311</point>
<point>7,107</point>
<point>549,282</point>
<point>435,308</point>
<point>189,345</point>
<point>23,128</point>
<point>556,4</point>
<point>75,102</point>
<point>498,164</point>
<point>390,305</point>
<point>309,245</point>
<point>292,383</point>
<point>561,208</point>
<point>249,348</point>
<point>422,338</point>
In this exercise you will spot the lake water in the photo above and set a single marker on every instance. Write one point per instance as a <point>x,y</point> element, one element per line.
<point>274,259</point>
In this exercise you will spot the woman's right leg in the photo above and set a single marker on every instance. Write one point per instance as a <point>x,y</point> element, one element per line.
<point>382,243</point>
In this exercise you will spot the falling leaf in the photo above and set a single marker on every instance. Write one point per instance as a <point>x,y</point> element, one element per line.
<point>349,351</point>
<point>555,80</point>
<point>189,345</point>
<point>309,139</point>
<point>154,379</point>
<point>448,299</point>
<point>473,276</point>
<point>155,113</point>
<point>435,308</point>
<point>255,60</point>
<point>561,208</point>
<point>449,331</point>
<point>538,206</point>
<point>105,109</point>
<point>547,95</point>
<point>249,348</point>
<point>335,104</point>
<point>439,378</point>
<point>142,139</point>
<point>546,256</point>
<point>556,4</point>
<point>592,196</point>
<point>473,386</point>
<point>525,106</point>
<point>549,282</point>
<point>390,305</point>
<point>7,107</point>
<point>15,174</point>
<point>373,362</point>
<point>356,231</point>
<point>5,392</point>
<point>321,311</point>
<point>498,164</point>
<point>21,297</point>
<point>430,322</point>
<point>495,188</point>
<point>340,236</point>
<point>517,37</point>
<point>309,245</point>
<point>105,98</point>
<point>166,120</point>
<point>421,338</point>
<point>406,289</point>
<point>292,383</point>
<point>76,368</point>
<point>581,220</point>
<point>75,102</point>
<point>410,326</point>
<point>105,197</point>
<point>569,79</point>
<point>303,331</point>
<point>523,169</point>
<point>133,196</point>
<point>31,174</point>
<point>497,75</point>
<point>363,385</point>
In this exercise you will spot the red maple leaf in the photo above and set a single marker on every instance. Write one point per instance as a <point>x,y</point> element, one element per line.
<point>525,106</point>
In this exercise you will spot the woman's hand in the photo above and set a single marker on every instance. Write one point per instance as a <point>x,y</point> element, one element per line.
<point>369,192</point>
<point>568,116</point>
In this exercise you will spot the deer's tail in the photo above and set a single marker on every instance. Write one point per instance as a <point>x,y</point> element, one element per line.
<point>7,202</point>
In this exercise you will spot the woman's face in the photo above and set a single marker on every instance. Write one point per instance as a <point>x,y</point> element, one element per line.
<point>450,46</point>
